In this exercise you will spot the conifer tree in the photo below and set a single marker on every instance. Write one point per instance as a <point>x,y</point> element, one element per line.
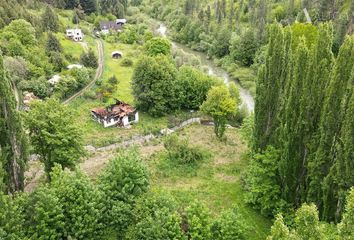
<point>13,143</point>
<point>50,21</point>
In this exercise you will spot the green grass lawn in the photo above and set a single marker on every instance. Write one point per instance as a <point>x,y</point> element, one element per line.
<point>216,183</point>
<point>124,74</point>
<point>94,133</point>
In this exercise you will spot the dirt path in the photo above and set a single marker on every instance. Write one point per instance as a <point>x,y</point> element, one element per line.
<point>99,72</point>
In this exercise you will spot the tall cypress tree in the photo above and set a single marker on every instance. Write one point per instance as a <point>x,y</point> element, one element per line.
<point>291,165</point>
<point>341,173</point>
<point>269,85</point>
<point>330,126</point>
<point>13,144</point>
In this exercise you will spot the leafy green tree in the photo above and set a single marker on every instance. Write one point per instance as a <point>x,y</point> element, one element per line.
<point>228,226</point>
<point>262,182</point>
<point>50,21</point>
<point>23,31</point>
<point>198,222</point>
<point>89,59</point>
<point>279,230</point>
<point>219,105</point>
<point>81,204</point>
<point>220,45</point>
<point>154,87</point>
<point>194,86</point>
<point>53,44</point>
<point>307,223</point>
<point>13,141</point>
<point>43,214</point>
<point>123,180</point>
<point>16,68</point>
<point>156,46</point>
<point>156,217</point>
<point>54,135</point>
<point>346,227</point>
<point>243,48</point>
<point>11,219</point>
<point>57,60</point>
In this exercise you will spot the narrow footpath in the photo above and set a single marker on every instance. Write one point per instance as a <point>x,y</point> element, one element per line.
<point>99,73</point>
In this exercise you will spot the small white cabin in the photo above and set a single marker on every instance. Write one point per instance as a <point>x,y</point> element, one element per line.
<point>75,34</point>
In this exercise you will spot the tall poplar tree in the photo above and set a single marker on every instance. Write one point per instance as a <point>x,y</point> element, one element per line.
<point>13,143</point>
<point>292,164</point>
<point>269,86</point>
<point>330,126</point>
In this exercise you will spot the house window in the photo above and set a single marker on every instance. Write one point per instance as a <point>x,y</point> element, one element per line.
<point>131,118</point>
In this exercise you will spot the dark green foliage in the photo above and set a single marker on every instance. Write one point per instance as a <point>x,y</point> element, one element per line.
<point>57,60</point>
<point>126,62</point>
<point>346,227</point>
<point>115,7</point>
<point>11,219</point>
<point>156,217</point>
<point>156,46</point>
<point>269,84</point>
<point>194,86</point>
<point>54,136</point>
<point>229,226</point>
<point>50,21</point>
<point>13,142</point>
<point>154,85</point>
<point>89,6</point>
<point>262,182</point>
<point>113,80</point>
<point>197,220</point>
<point>303,114</point>
<point>243,48</point>
<point>43,214</point>
<point>125,178</point>
<point>330,126</point>
<point>81,204</point>
<point>89,59</point>
<point>53,44</point>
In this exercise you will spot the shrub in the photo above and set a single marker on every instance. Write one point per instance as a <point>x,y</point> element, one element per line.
<point>179,151</point>
<point>127,62</point>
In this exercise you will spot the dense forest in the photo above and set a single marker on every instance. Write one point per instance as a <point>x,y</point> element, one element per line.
<point>200,163</point>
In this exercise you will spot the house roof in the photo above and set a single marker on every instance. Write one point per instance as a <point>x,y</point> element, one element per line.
<point>119,109</point>
<point>117,52</point>
<point>121,21</point>
<point>104,25</point>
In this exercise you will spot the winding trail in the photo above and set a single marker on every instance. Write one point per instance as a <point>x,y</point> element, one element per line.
<point>99,73</point>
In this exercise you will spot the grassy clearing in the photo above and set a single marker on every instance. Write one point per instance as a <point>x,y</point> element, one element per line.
<point>124,74</point>
<point>216,182</point>
<point>95,134</point>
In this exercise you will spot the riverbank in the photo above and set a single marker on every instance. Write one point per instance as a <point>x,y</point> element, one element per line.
<point>246,96</point>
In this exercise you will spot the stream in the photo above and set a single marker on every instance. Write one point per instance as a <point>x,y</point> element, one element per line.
<point>246,97</point>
